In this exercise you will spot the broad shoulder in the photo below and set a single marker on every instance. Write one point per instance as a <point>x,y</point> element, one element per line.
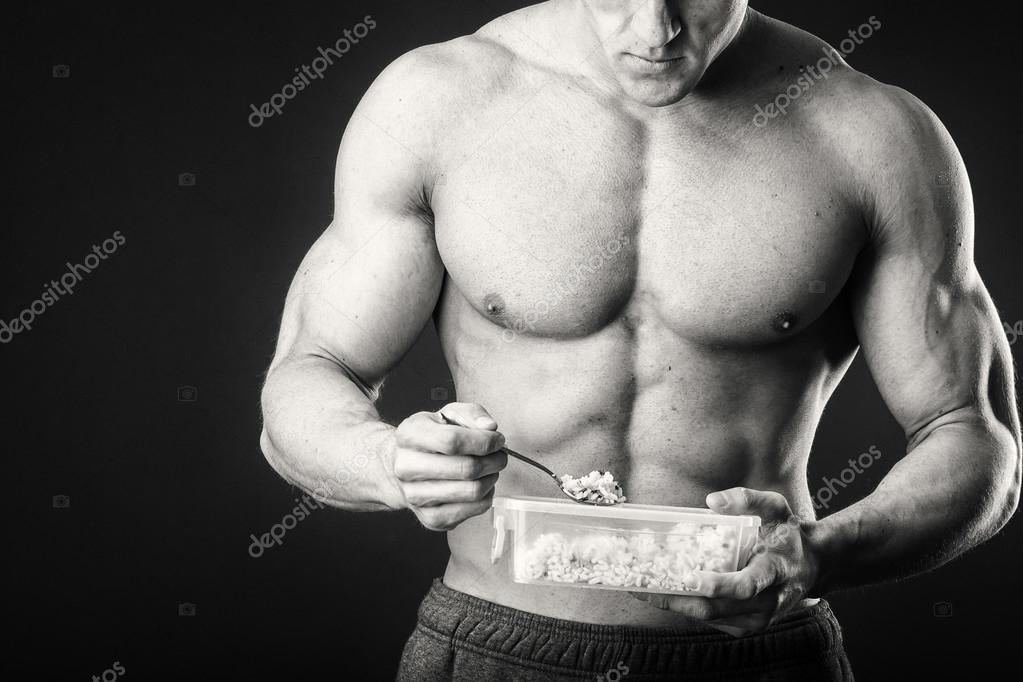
<point>444,79</point>
<point>892,146</point>
<point>428,92</point>
<point>902,158</point>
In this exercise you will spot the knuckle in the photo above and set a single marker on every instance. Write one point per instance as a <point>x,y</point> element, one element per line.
<point>415,500</point>
<point>401,434</point>
<point>745,495</point>
<point>418,418</point>
<point>412,425</point>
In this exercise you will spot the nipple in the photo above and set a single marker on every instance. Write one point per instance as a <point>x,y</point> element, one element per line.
<point>784,322</point>
<point>493,304</point>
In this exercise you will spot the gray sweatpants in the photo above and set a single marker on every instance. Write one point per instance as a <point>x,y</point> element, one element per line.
<point>460,637</point>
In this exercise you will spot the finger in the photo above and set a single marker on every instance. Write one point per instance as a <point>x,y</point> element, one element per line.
<point>729,629</point>
<point>427,435</point>
<point>704,609</point>
<point>767,504</point>
<point>435,493</point>
<point>469,415</point>
<point>449,516</point>
<point>760,574</point>
<point>413,465</point>
<point>743,624</point>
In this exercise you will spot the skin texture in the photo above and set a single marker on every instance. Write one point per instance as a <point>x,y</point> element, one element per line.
<point>626,272</point>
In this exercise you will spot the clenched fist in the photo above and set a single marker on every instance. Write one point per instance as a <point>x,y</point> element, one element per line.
<point>446,463</point>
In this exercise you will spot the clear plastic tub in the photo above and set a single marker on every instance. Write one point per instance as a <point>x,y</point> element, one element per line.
<point>634,547</point>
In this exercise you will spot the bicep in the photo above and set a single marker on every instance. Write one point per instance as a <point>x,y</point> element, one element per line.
<point>362,296</point>
<point>932,340</point>
<point>369,284</point>
<point>929,331</point>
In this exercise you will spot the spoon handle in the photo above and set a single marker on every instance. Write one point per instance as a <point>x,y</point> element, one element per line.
<point>512,453</point>
<point>527,460</point>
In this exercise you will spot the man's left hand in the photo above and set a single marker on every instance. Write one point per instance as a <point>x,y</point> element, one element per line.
<point>783,570</point>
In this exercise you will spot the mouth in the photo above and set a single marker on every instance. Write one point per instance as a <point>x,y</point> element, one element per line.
<point>652,65</point>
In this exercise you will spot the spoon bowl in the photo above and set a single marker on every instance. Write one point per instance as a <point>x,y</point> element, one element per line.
<point>581,497</point>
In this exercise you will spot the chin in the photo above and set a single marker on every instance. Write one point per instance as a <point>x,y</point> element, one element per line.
<point>657,92</point>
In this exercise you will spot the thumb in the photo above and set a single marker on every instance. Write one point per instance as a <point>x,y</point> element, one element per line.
<point>469,415</point>
<point>768,505</point>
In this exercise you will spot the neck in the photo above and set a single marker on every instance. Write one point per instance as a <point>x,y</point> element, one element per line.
<point>727,68</point>
<point>732,64</point>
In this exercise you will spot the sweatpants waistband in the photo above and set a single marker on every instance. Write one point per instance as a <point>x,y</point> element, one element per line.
<point>479,624</point>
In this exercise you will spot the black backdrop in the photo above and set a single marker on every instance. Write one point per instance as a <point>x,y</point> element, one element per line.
<point>164,484</point>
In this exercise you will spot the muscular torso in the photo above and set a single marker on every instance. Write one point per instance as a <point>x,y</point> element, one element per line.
<point>660,296</point>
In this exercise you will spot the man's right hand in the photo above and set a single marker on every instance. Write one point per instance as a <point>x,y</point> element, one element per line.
<point>446,463</point>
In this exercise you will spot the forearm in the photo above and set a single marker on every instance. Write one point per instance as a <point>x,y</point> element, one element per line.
<point>956,488</point>
<point>323,434</point>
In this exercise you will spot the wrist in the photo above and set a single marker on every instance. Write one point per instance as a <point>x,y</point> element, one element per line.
<point>822,547</point>
<point>391,495</point>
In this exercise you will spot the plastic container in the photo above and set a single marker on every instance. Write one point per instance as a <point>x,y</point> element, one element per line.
<point>634,547</point>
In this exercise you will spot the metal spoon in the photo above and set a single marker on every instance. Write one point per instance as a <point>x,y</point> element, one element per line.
<point>581,498</point>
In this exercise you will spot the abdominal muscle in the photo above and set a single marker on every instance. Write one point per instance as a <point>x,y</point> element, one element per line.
<point>673,425</point>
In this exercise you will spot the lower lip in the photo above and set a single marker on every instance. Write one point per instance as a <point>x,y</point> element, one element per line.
<point>647,66</point>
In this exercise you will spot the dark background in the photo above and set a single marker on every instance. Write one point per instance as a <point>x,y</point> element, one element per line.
<point>164,493</point>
